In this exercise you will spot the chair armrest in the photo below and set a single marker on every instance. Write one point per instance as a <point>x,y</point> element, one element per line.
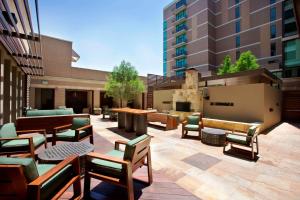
<point>30,141</point>
<point>118,142</point>
<point>58,128</point>
<point>42,131</point>
<point>84,127</point>
<point>73,160</point>
<point>184,123</point>
<point>107,158</point>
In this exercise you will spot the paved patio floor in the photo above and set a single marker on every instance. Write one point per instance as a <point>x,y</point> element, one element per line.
<point>194,169</point>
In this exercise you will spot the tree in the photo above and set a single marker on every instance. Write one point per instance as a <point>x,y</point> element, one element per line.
<point>123,83</point>
<point>247,61</point>
<point>226,66</point>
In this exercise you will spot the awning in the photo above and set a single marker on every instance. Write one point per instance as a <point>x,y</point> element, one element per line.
<point>18,37</point>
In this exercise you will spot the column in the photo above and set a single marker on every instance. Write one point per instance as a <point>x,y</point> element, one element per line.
<point>7,92</point>
<point>1,86</point>
<point>59,97</point>
<point>13,99</point>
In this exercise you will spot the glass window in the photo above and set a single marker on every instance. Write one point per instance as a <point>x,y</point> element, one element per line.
<point>237,1</point>
<point>181,15</point>
<point>180,3</point>
<point>273,30</point>
<point>273,14</point>
<point>181,38</point>
<point>238,41</point>
<point>181,62</point>
<point>272,1</point>
<point>273,49</point>
<point>180,73</point>
<point>165,25</point>
<point>237,12</point>
<point>289,21</point>
<point>180,27</point>
<point>291,55</point>
<point>238,26</point>
<point>181,51</point>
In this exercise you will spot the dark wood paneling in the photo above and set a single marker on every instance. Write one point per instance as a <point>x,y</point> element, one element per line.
<point>291,106</point>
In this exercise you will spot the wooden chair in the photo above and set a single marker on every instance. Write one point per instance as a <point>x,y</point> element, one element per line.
<point>11,143</point>
<point>117,167</point>
<point>242,139</point>
<point>22,178</point>
<point>192,123</point>
<point>79,130</point>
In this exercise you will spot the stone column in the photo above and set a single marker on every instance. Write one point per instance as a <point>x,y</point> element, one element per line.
<point>59,97</point>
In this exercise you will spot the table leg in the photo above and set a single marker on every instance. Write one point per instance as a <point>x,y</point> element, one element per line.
<point>121,120</point>
<point>128,122</point>
<point>140,124</point>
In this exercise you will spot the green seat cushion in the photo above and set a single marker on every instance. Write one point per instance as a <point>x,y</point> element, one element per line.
<point>252,130</point>
<point>237,139</point>
<point>130,146</point>
<point>19,145</point>
<point>79,122</point>
<point>194,120</point>
<point>69,134</point>
<point>192,127</point>
<point>32,113</point>
<point>28,164</point>
<point>8,131</point>
<point>106,167</point>
<point>56,182</point>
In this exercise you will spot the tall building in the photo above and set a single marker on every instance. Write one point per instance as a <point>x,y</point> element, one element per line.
<point>200,33</point>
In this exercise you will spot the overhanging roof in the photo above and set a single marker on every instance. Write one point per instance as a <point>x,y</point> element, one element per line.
<point>262,74</point>
<point>18,36</point>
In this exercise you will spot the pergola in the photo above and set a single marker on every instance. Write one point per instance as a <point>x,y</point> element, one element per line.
<point>18,36</point>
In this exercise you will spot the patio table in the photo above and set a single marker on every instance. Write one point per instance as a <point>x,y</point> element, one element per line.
<point>213,136</point>
<point>59,152</point>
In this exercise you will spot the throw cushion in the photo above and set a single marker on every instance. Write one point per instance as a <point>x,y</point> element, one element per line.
<point>79,122</point>
<point>194,120</point>
<point>28,164</point>
<point>8,131</point>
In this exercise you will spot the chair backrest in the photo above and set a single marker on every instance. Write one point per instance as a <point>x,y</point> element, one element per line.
<point>252,131</point>
<point>79,122</point>
<point>193,119</point>
<point>136,150</point>
<point>16,173</point>
<point>8,131</point>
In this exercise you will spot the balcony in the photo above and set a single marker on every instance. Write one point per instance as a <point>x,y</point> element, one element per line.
<point>179,43</point>
<point>180,54</point>
<point>179,20</point>
<point>179,67</point>
<point>180,5</point>
<point>180,30</point>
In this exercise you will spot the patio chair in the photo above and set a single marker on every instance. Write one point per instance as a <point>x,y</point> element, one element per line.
<point>105,111</point>
<point>242,139</point>
<point>11,143</point>
<point>192,123</point>
<point>22,178</point>
<point>117,166</point>
<point>79,130</point>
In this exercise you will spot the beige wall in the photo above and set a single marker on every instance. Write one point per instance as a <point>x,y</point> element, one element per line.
<point>159,96</point>
<point>273,103</point>
<point>96,99</point>
<point>252,103</point>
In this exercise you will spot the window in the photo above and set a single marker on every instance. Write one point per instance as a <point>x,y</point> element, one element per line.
<point>238,41</point>
<point>181,38</point>
<point>237,55</point>
<point>273,49</point>
<point>180,3</point>
<point>181,62</point>
<point>289,21</point>
<point>237,12</point>
<point>273,14</point>
<point>238,26</point>
<point>237,1</point>
<point>181,51</point>
<point>291,49</point>
<point>180,27</point>
<point>181,15</point>
<point>273,30</point>
<point>272,1</point>
<point>180,73</point>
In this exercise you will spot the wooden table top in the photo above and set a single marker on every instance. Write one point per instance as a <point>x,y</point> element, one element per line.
<point>132,111</point>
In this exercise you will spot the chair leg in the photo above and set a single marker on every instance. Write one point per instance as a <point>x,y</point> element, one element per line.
<point>130,189</point>
<point>182,134</point>
<point>257,145</point>
<point>149,167</point>
<point>87,186</point>
<point>252,151</point>
<point>77,188</point>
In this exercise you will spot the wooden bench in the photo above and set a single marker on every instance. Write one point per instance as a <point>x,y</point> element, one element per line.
<point>165,120</point>
<point>226,125</point>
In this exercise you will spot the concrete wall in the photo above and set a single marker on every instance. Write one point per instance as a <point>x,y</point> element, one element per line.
<point>273,103</point>
<point>252,103</point>
<point>159,96</point>
<point>248,103</point>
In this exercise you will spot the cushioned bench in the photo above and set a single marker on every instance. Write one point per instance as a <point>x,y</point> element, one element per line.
<point>64,111</point>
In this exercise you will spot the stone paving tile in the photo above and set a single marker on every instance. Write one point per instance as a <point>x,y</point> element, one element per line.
<point>201,161</point>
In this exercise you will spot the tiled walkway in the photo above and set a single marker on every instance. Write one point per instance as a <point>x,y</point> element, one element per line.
<point>183,167</point>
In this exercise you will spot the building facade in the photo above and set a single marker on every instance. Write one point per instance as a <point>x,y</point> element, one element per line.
<point>200,33</point>
<point>66,86</point>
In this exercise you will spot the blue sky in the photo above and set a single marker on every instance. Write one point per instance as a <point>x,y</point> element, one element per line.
<point>104,32</point>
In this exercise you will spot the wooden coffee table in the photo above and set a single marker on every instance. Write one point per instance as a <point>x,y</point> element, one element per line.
<point>59,152</point>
